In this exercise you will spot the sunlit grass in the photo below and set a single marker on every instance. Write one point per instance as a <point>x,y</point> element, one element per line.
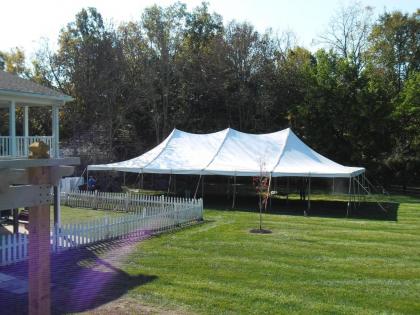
<point>307,265</point>
<point>79,215</point>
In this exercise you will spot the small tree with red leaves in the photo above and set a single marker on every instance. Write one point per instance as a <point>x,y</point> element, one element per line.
<point>262,187</point>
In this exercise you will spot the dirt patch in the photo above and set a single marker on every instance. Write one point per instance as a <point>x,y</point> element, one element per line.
<point>260,231</point>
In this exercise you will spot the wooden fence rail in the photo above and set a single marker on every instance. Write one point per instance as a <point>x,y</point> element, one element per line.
<point>143,215</point>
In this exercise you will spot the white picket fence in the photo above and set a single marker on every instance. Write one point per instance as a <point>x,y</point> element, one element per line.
<point>143,215</point>
<point>122,201</point>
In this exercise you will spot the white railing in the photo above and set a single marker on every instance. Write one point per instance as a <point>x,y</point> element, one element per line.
<point>4,146</point>
<point>22,145</point>
<point>148,216</point>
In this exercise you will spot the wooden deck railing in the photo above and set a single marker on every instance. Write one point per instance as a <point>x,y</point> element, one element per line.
<point>22,145</point>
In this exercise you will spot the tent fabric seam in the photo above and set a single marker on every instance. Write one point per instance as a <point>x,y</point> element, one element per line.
<point>163,149</point>
<point>282,152</point>
<point>218,151</point>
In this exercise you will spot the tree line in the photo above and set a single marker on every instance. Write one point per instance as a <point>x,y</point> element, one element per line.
<point>356,99</point>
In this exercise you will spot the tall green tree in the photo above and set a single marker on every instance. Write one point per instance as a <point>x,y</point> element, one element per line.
<point>405,158</point>
<point>90,59</point>
<point>14,61</point>
<point>395,46</point>
<point>164,29</point>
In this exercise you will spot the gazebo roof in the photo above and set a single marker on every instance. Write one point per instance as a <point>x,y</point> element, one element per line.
<point>14,86</point>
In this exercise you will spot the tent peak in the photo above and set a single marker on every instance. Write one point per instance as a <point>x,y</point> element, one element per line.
<point>231,152</point>
<point>233,130</point>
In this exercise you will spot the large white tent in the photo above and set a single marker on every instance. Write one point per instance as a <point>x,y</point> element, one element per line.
<point>233,153</point>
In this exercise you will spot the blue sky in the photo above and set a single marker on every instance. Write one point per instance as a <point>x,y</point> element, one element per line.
<point>23,23</point>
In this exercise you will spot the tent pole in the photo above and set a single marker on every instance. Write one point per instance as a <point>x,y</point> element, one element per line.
<point>348,203</point>
<point>333,186</point>
<point>87,179</point>
<point>81,176</point>
<point>141,183</point>
<point>354,191</point>
<point>124,178</point>
<point>363,186</point>
<point>309,196</point>
<point>202,187</point>
<point>268,194</point>
<point>196,188</point>
<point>379,204</point>
<point>175,184</point>
<point>169,183</point>
<point>227,188</point>
<point>234,191</point>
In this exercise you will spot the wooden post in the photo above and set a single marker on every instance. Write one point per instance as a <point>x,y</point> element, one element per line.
<point>39,249</point>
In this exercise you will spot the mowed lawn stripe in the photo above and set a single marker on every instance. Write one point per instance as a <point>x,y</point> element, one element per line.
<point>307,265</point>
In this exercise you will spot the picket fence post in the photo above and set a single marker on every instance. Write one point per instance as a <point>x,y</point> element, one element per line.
<point>153,213</point>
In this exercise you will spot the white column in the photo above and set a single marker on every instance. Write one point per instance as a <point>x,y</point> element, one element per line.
<point>55,154</point>
<point>12,128</point>
<point>55,130</point>
<point>26,128</point>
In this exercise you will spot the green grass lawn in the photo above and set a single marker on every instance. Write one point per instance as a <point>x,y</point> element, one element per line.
<point>307,265</point>
<point>78,215</point>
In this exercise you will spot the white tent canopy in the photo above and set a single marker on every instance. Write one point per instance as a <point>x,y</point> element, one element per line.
<point>233,153</point>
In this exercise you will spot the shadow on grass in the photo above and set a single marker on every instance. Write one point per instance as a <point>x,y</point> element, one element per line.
<point>81,279</point>
<point>369,210</point>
